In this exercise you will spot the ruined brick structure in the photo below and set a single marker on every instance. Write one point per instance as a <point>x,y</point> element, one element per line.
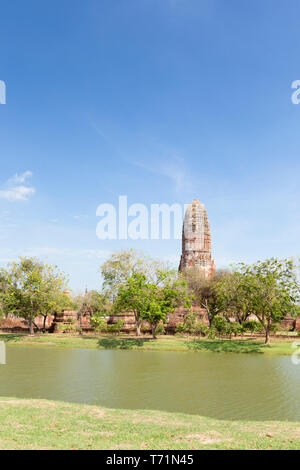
<point>196,240</point>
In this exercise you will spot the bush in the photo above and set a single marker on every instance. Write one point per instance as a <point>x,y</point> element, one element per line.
<point>145,329</point>
<point>212,333</point>
<point>220,325</point>
<point>160,330</point>
<point>275,327</point>
<point>201,329</point>
<point>98,323</point>
<point>115,328</point>
<point>298,332</point>
<point>253,326</point>
<point>180,328</point>
<point>234,328</point>
<point>66,328</point>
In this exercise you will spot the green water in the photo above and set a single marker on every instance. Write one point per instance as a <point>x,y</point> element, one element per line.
<point>228,386</point>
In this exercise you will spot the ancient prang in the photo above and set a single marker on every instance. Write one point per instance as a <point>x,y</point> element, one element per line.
<point>196,240</point>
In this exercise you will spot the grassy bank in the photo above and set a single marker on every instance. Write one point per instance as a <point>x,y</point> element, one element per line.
<point>42,424</point>
<point>163,343</point>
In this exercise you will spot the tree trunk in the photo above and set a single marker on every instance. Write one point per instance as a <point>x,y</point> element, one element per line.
<point>80,323</point>
<point>206,307</point>
<point>31,330</point>
<point>138,326</point>
<point>267,329</point>
<point>153,329</point>
<point>44,323</point>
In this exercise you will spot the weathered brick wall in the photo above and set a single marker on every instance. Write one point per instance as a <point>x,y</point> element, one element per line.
<point>20,325</point>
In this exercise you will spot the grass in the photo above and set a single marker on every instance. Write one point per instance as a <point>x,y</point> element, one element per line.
<point>163,343</point>
<point>43,424</point>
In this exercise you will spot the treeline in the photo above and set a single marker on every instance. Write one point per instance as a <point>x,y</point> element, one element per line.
<point>132,282</point>
<point>266,290</point>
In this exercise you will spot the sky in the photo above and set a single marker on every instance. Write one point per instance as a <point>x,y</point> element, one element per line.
<point>163,101</point>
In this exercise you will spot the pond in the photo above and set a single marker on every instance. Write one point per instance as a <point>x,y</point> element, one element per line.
<point>225,386</point>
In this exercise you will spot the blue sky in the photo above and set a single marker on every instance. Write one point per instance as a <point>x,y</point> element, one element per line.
<point>159,100</point>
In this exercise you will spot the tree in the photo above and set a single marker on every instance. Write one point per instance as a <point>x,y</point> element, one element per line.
<point>151,301</point>
<point>94,304</point>
<point>123,264</point>
<point>270,290</point>
<point>164,296</point>
<point>132,296</point>
<point>34,289</point>
<point>98,323</point>
<point>6,300</point>
<point>204,290</point>
<point>232,297</point>
<point>220,325</point>
<point>53,285</point>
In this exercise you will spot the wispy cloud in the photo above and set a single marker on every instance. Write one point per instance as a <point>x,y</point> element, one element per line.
<point>16,179</point>
<point>14,189</point>
<point>173,169</point>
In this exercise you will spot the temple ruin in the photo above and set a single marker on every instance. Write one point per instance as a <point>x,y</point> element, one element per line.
<point>196,240</point>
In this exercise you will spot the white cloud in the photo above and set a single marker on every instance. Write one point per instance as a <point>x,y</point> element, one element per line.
<point>20,178</point>
<point>18,193</point>
<point>14,190</point>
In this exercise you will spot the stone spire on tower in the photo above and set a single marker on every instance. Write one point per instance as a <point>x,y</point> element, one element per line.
<point>196,240</point>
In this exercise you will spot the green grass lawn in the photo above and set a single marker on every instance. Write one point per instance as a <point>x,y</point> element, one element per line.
<point>43,424</point>
<point>163,343</point>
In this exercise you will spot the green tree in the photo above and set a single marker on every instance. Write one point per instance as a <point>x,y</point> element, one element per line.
<point>6,299</point>
<point>203,290</point>
<point>232,296</point>
<point>152,301</point>
<point>95,305</point>
<point>53,285</point>
<point>270,290</point>
<point>34,289</point>
<point>98,323</point>
<point>220,324</point>
<point>123,264</point>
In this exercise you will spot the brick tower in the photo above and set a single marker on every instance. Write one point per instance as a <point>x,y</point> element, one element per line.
<point>196,240</point>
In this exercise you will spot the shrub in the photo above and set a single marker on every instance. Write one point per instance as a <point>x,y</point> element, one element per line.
<point>253,326</point>
<point>201,329</point>
<point>66,328</point>
<point>180,328</point>
<point>212,333</point>
<point>234,328</point>
<point>220,324</point>
<point>98,323</point>
<point>275,327</point>
<point>144,328</point>
<point>160,330</point>
<point>115,328</point>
